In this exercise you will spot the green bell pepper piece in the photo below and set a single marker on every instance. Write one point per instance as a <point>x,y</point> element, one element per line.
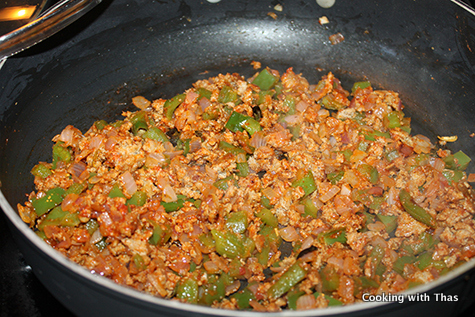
<point>139,198</point>
<point>361,85</point>
<point>41,170</point>
<point>417,212</point>
<point>156,134</point>
<point>265,80</point>
<point>268,217</point>
<point>188,290</point>
<point>51,199</point>
<point>237,221</point>
<point>139,122</point>
<point>116,192</point>
<point>240,122</point>
<point>307,182</point>
<point>289,279</point>
<point>171,104</point>
<point>227,94</point>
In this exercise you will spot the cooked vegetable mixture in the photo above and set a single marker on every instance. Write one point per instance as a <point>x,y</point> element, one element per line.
<point>265,193</point>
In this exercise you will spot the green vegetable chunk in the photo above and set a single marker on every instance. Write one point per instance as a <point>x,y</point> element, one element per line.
<point>51,199</point>
<point>265,80</point>
<point>289,279</point>
<point>417,212</point>
<point>41,170</point>
<point>360,85</point>
<point>240,122</point>
<point>155,133</point>
<point>171,104</point>
<point>306,181</point>
<point>188,290</point>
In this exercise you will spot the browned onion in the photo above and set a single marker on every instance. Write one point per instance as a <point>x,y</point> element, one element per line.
<point>258,140</point>
<point>141,102</point>
<point>78,171</point>
<point>204,103</point>
<point>336,38</point>
<point>129,183</point>
<point>289,234</point>
<point>96,142</point>
<point>330,193</point>
<point>307,301</point>
<point>302,106</point>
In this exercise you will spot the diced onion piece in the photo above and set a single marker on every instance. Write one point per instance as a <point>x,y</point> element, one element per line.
<point>68,202</point>
<point>155,159</point>
<point>96,237</point>
<point>422,144</point>
<point>270,193</point>
<point>336,38</point>
<point>129,183</point>
<point>79,171</point>
<point>289,234</point>
<point>241,158</point>
<point>96,142</point>
<point>258,140</point>
<point>330,193</point>
<point>141,102</point>
<point>292,119</point>
<point>111,141</point>
<point>307,243</point>
<point>452,138</point>
<point>345,190</point>
<point>307,301</point>
<point>211,267</point>
<point>204,103</point>
<point>301,106</point>
<point>169,194</point>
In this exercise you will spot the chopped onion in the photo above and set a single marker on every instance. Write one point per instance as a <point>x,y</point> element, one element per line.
<point>289,234</point>
<point>307,243</point>
<point>96,237</point>
<point>96,142</point>
<point>141,102</point>
<point>258,140</point>
<point>67,135</point>
<point>211,267</point>
<point>79,171</point>
<point>129,183</point>
<point>337,262</point>
<point>154,159</point>
<point>345,190</point>
<point>191,96</point>
<point>204,103</point>
<point>233,287</point>
<point>330,193</point>
<point>292,119</point>
<point>437,163</point>
<point>301,106</point>
<point>169,194</point>
<point>377,226</point>
<point>422,144</point>
<point>68,202</point>
<point>270,193</point>
<point>195,145</point>
<point>336,38</point>
<point>307,301</point>
<point>111,141</point>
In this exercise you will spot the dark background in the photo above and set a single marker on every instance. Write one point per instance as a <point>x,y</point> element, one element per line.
<point>21,293</point>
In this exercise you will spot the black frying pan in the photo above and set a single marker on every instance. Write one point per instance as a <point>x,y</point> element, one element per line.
<point>90,71</point>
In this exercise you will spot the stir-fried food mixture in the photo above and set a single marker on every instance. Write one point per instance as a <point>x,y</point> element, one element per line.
<point>265,193</point>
